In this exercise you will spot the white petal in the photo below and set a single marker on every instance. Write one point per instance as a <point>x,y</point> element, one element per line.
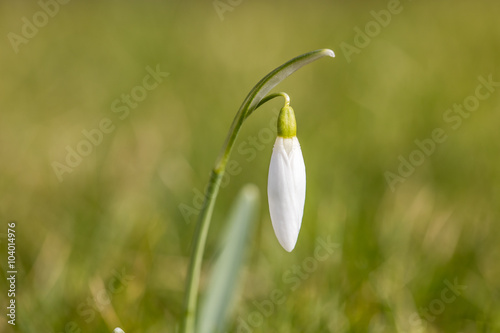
<point>286,190</point>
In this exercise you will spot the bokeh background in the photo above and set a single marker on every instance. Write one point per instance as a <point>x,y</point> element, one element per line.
<point>109,244</point>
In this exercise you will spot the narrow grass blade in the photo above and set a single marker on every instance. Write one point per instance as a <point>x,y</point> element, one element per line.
<point>221,287</point>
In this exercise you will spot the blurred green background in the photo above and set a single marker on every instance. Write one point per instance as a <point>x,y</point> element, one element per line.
<point>109,246</point>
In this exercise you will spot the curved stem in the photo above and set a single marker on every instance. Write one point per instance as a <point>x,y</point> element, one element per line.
<point>267,99</point>
<point>260,90</point>
<point>254,99</point>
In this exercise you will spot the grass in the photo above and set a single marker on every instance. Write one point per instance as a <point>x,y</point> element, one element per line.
<point>108,246</point>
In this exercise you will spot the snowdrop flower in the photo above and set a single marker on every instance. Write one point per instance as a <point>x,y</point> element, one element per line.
<point>286,187</point>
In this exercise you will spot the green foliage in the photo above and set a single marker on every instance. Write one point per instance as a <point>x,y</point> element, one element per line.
<point>222,288</point>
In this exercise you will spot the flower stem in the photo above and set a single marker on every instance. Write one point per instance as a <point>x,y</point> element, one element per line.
<point>254,99</point>
<point>270,97</point>
<point>200,237</point>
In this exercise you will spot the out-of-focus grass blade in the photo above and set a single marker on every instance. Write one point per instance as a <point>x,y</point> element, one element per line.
<point>224,277</point>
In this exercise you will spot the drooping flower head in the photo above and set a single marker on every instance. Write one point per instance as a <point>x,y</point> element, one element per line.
<point>286,188</point>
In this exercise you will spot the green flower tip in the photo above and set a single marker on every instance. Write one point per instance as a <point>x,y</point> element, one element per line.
<point>287,127</point>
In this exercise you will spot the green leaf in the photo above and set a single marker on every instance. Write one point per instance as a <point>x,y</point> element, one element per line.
<point>264,86</point>
<point>221,287</point>
<point>261,89</point>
